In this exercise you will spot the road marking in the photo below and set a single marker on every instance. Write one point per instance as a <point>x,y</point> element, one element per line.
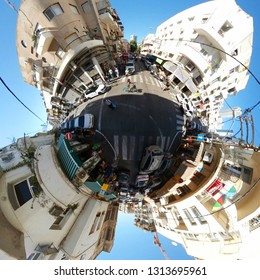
<point>141,79</point>
<point>134,78</point>
<point>124,147</point>
<point>146,80</point>
<point>152,81</point>
<point>179,122</point>
<point>132,147</point>
<point>116,144</point>
<point>180,117</point>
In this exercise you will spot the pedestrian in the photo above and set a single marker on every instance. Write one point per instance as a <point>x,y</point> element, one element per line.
<point>110,104</point>
<point>107,78</point>
<point>111,73</point>
<point>132,88</point>
<point>128,83</point>
<point>117,72</point>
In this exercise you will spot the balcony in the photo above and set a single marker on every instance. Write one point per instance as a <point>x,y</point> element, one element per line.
<point>78,172</point>
<point>43,42</point>
<point>215,38</point>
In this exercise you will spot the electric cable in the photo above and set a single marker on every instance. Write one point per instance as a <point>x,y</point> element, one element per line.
<point>20,100</point>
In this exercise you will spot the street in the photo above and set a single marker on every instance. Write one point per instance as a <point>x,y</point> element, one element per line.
<point>147,117</point>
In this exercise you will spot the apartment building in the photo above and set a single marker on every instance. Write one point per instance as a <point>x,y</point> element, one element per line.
<point>48,209</point>
<point>63,48</point>
<point>143,217</point>
<point>211,205</point>
<point>206,53</point>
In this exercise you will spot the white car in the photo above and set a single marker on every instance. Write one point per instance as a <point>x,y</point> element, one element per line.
<point>180,97</point>
<point>187,107</point>
<point>129,68</point>
<point>152,158</point>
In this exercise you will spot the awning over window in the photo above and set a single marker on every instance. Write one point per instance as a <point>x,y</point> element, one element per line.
<point>191,86</point>
<point>182,75</point>
<point>170,66</point>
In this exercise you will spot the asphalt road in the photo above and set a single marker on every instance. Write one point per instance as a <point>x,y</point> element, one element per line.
<point>148,117</point>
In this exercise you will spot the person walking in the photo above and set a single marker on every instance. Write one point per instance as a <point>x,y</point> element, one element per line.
<point>117,72</point>
<point>110,104</point>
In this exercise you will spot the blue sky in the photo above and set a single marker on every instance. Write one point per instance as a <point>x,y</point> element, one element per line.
<point>139,18</point>
<point>132,243</point>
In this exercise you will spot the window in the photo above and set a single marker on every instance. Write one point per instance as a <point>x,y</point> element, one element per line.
<point>60,53</point>
<point>95,223</point>
<point>52,11</point>
<point>197,80</point>
<point>74,9</point>
<point>225,27</point>
<point>100,222</point>
<point>247,174</point>
<point>198,215</point>
<point>190,218</point>
<point>203,20</point>
<point>176,81</point>
<point>204,52</point>
<point>22,191</point>
<point>86,7</point>
<point>190,66</point>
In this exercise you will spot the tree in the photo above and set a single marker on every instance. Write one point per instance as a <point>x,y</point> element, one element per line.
<point>133,46</point>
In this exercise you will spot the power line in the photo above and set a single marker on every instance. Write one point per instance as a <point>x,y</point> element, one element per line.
<point>20,100</point>
<point>230,55</point>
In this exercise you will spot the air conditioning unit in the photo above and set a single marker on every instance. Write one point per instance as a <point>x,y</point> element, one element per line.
<point>82,175</point>
<point>55,211</point>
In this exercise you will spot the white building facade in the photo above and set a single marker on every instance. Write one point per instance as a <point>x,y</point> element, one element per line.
<point>44,213</point>
<point>207,53</point>
<point>212,207</point>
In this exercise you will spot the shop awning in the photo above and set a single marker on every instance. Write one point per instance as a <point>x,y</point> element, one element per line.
<point>191,86</point>
<point>182,75</point>
<point>170,66</point>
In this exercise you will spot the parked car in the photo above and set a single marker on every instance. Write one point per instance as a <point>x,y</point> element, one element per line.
<point>180,97</point>
<point>194,126</point>
<point>129,68</point>
<point>165,163</point>
<point>123,180</point>
<point>152,184</point>
<point>151,159</point>
<point>103,89</point>
<point>141,181</point>
<point>96,90</point>
<point>147,64</point>
<point>187,107</point>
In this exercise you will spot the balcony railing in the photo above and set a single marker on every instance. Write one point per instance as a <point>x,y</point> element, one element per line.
<point>70,163</point>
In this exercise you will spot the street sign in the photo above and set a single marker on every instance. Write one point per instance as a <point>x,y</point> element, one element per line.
<point>200,137</point>
<point>68,136</point>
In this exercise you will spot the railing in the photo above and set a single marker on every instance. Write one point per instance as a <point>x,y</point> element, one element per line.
<point>69,162</point>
